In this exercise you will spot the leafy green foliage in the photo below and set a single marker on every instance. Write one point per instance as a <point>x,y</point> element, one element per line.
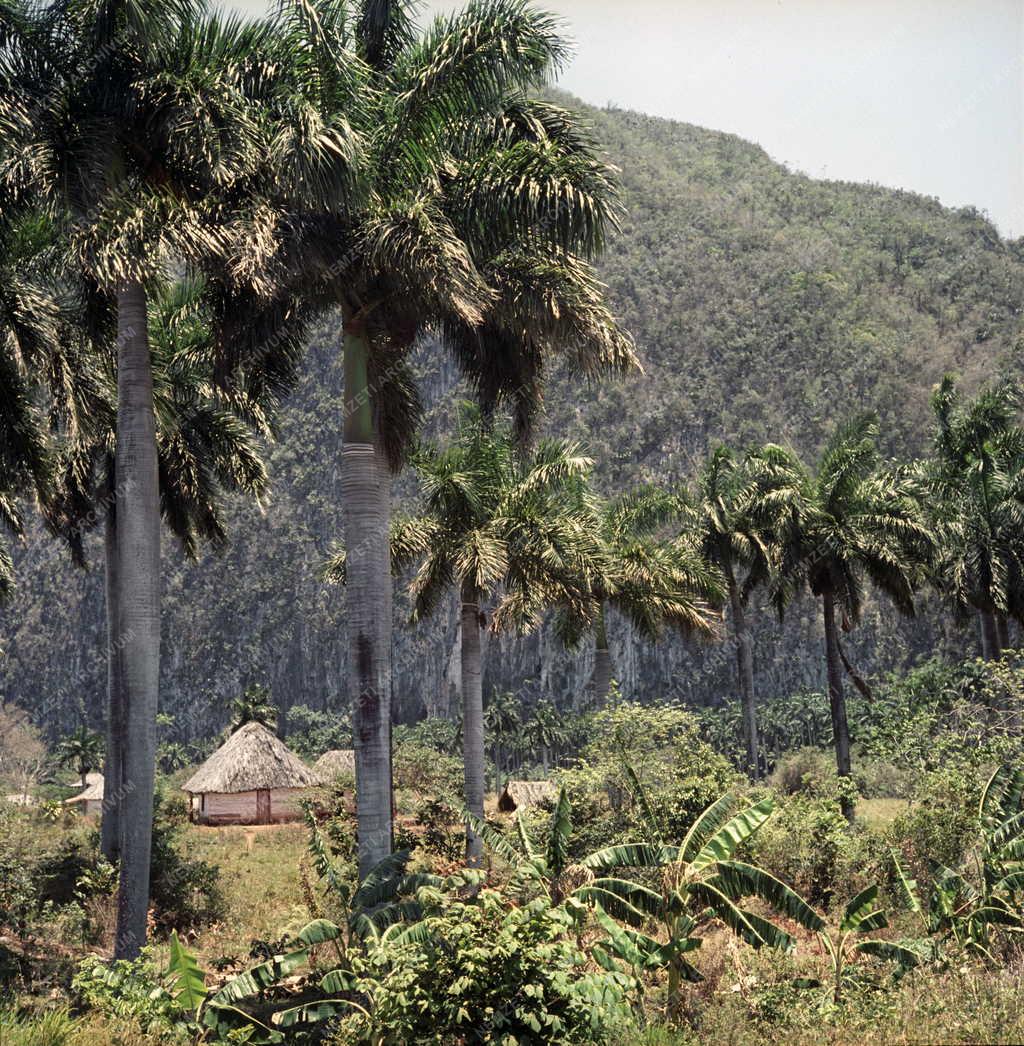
<point>489,970</point>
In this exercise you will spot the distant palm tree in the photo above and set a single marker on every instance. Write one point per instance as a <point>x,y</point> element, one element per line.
<point>459,169</point>
<point>976,486</point>
<point>82,751</point>
<point>653,581</point>
<point>502,720</point>
<point>741,503</point>
<point>491,524</point>
<point>254,706</point>
<point>856,521</point>
<point>544,731</point>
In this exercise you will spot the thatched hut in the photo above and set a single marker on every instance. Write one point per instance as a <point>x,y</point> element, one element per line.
<point>334,763</point>
<point>91,798</point>
<point>517,795</point>
<point>252,778</point>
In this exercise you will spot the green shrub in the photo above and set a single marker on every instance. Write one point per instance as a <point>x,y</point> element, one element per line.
<point>807,771</point>
<point>184,891</point>
<point>130,992</point>
<point>940,825</point>
<point>808,844</point>
<point>679,771</point>
<point>487,972</point>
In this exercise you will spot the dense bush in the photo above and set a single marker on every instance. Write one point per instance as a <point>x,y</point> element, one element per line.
<point>487,972</point>
<point>941,823</point>
<point>808,844</point>
<point>680,773</point>
<point>184,890</point>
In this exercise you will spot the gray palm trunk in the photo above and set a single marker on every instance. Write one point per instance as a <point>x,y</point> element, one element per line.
<point>745,670</point>
<point>836,696</point>
<point>113,762</point>
<point>368,608</point>
<point>1002,631</point>
<point>990,645</point>
<point>138,608</point>
<point>601,677</point>
<point>472,718</point>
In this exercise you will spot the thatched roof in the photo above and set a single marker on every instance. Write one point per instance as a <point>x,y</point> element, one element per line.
<point>93,790</point>
<point>251,758</point>
<point>331,764</point>
<point>519,794</point>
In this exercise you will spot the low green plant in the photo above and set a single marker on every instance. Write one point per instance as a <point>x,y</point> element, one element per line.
<point>486,970</point>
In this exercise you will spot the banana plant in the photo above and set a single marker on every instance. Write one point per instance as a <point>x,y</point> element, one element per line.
<point>540,866</point>
<point>961,912</point>
<point>387,896</point>
<point>701,883</point>
<point>847,942</point>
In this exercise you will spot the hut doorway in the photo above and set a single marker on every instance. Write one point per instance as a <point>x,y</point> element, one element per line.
<point>262,806</point>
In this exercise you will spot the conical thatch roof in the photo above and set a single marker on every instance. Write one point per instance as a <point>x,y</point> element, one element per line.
<point>520,794</point>
<point>251,758</point>
<point>93,790</point>
<point>331,764</point>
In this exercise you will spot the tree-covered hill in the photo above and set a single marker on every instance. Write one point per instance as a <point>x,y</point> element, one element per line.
<point>766,306</point>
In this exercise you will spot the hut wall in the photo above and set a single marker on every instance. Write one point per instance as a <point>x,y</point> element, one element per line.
<point>240,807</point>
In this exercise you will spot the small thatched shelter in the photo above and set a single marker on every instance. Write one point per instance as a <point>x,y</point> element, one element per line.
<point>335,763</point>
<point>91,799</point>
<point>252,778</point>
<point>517,795</point>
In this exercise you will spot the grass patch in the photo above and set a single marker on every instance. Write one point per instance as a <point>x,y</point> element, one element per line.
<point>260,879</point>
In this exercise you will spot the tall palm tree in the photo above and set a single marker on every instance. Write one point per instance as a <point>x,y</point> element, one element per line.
<point>856,521</point>
<point>129,122</point>
<point>976,483</point>
<point>459,168</point>
<point>741,502</point>
<point>208,445</point>
<point>490,525</point>
<point>652,580</point>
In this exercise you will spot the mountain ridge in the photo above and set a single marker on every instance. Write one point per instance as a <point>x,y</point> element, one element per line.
<point>767,305</point>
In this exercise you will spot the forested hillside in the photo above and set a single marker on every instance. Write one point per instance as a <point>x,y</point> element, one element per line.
<point>766,306</point>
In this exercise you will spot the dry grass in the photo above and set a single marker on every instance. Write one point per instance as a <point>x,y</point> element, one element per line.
<point>259,874</point>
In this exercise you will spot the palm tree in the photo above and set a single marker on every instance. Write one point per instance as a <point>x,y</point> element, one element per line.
<point>502,720</point>
<point>254,706</point>
<point>544,731</point>
<point>82,750</point>
<point>129,123</point>
<point>459,168</point>
<point>976,483</point>
<point>207,445</point>
<point>740,504</point>
<point>490,523</point>
<point>652,581</point>
<point>855,522</point>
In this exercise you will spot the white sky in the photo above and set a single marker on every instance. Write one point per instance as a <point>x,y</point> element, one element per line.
<point>925,95</point>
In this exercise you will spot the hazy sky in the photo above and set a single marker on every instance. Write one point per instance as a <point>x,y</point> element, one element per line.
<point>919,94</point>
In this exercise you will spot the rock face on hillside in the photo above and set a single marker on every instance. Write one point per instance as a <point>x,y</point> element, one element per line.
<point>766,306</point>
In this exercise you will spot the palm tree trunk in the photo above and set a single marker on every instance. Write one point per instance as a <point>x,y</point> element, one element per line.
<point>601,678</point>
<point>745,669</point>
<point>472,719</point>
<point>138,603</point>
<point>1002,632</point>
<point>387,607</point>
<point>836,697</point>
<point>368,579</point>
<point>990,648</point>
<point>113,761</point>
